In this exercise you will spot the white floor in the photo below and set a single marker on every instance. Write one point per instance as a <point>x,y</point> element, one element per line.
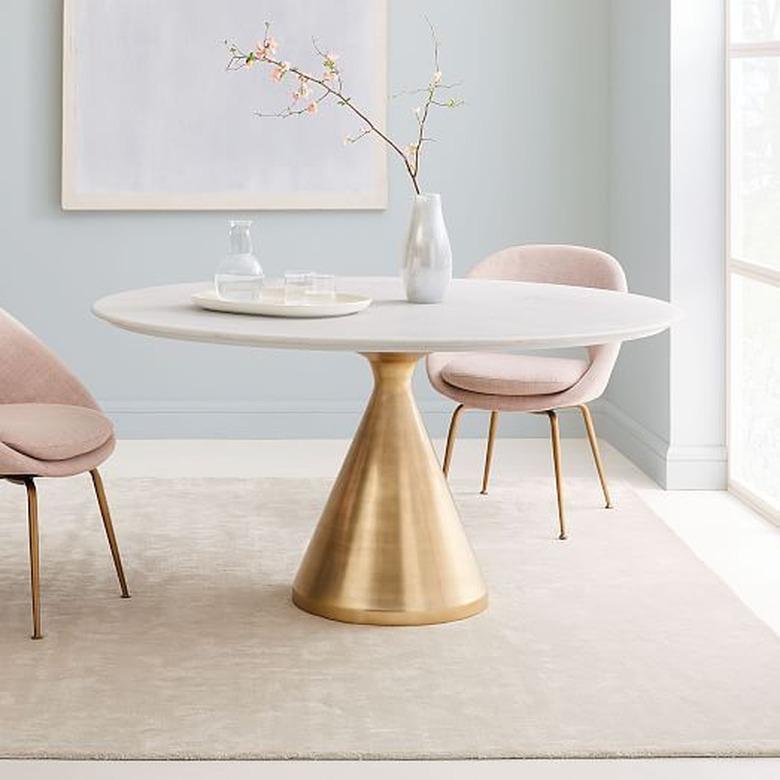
<point>741,547</point>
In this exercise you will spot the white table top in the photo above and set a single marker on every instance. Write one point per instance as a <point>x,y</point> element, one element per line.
<point>477,315</point>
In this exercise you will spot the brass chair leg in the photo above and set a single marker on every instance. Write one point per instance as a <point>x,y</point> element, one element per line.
<point>594,446</point>
<point>555,435</point>
<point>489,452</point>
<point>35,564</point>
<point>451,435</point>
<point>108,525</point>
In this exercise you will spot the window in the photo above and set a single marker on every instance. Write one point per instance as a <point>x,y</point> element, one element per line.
<point>754,252</point>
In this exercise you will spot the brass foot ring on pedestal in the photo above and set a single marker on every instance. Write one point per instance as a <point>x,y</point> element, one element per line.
<point>389,618</point>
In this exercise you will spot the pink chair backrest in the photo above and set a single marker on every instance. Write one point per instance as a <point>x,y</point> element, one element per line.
<point>563,264</point>
<point>31,373</point>
<point>553,264</point>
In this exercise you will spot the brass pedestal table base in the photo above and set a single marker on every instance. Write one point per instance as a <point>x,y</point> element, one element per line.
<point>390,548</point>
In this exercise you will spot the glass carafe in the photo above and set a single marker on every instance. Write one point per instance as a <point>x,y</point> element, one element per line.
<point>239,276</point>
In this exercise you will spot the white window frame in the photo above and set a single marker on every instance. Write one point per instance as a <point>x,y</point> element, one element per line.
<point>740,267</point>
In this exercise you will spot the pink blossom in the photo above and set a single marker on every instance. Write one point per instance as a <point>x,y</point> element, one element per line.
<point>302,91</point>
<point>266,48</point>
<point>437,77</point>
<point>278,73</point>
<point>312,108</point>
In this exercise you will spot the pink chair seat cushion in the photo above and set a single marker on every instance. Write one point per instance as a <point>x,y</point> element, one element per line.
<point>513,375</point>
<point>53,432</point>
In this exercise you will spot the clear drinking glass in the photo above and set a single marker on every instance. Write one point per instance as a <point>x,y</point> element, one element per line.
<point>297,285</point>
<point>322,287</point>
<point>239,276</point>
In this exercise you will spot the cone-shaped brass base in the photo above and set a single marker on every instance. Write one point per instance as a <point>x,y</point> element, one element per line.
<point>389,548</point>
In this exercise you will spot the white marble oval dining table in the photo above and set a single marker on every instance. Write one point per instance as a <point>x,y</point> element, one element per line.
<point>389,547</point>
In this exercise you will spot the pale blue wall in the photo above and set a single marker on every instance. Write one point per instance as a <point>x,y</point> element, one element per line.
<point>639,175</point>
<point>526,160</point>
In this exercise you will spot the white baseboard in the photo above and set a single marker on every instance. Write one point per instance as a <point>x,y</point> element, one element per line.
<point>233,419</point>
<point>644,448</point>
<point>696,468</point>
<point>674,467</point>
<point>309,419</point>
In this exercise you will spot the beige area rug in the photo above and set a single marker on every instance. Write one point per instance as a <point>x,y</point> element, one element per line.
<point>618,642</point>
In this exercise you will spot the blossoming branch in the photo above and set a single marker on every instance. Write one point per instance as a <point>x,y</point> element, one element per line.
<point>311,90</point>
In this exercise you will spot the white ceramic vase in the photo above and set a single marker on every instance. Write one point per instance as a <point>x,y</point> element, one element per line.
<point>427,266</point>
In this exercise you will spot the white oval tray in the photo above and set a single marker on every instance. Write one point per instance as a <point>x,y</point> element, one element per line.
<point>272,304</point>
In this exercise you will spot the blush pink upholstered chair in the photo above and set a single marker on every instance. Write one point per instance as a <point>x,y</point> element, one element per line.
<point>50,426</point>
<point>533,383</point>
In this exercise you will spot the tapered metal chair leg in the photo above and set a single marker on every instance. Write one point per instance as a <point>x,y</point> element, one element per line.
<point>451,436</point>
<point>594,447</point>
<point>108,525</point>
<point>489,452</point>
<point>555,435</point>
<point>35,562</point>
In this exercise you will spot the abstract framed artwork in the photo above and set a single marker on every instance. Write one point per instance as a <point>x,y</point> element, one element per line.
<point>152,119</point>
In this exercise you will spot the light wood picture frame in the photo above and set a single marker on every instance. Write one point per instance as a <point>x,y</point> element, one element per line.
<point>153,121</point>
